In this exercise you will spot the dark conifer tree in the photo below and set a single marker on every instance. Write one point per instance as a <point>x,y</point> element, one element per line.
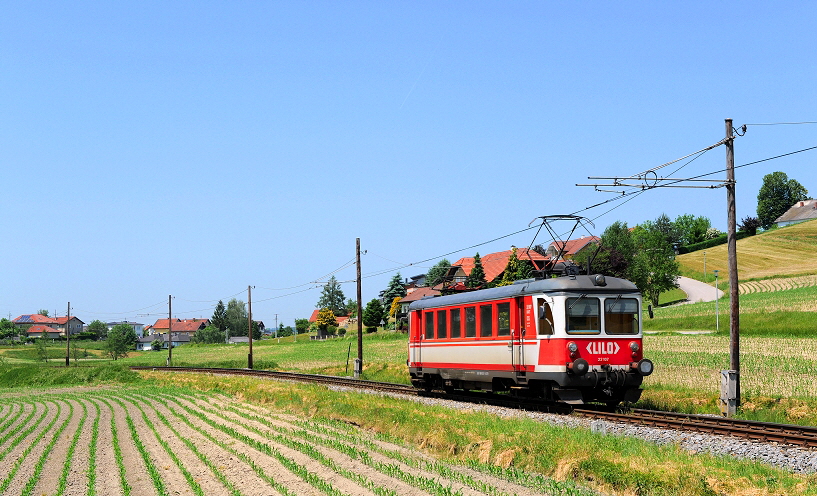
<point>476,279</point>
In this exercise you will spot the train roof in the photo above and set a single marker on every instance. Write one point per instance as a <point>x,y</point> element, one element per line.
<point>567,284</point>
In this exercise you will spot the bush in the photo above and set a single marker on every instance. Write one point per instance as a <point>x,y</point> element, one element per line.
<point>710,243</point>
<point>371,329</point>
<point>341,331</point>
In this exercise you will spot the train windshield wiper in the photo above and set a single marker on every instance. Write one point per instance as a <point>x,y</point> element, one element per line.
<point>577,300</point>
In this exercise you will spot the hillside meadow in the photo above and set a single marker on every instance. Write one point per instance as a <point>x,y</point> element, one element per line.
<point>785,252</point>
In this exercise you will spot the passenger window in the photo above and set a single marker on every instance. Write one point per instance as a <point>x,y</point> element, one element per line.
<point>583,315</point>
<point>486,321</point>
<point>455,323</point>
<point>503,319</point>
<point>470,322</point>
<point>621,316</point>
<point>545,318</point>
<point>429,325</point>
<point>442,329</point>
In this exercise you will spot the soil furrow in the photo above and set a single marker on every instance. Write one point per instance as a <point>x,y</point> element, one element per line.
<point>271,466</point>
<point>200,472</point>
<point>170,474</point>
<point>52,470</point>
<point>107,472</point>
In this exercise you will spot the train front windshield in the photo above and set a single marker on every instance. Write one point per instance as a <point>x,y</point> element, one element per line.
<point>583,315</point>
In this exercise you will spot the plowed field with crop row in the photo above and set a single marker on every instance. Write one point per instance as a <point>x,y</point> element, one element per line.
<point>161,441</point>
<point>777,284</point>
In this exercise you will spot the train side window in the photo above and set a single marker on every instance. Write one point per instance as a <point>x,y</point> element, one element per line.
<point>456,324</point>
<point>621,316</point>
<point>442,328</point>
<point>583,315</point>
<point>545,317</point>
<point>470,322</point>
<point>486,321</point>
<point>429,325</point>
<point>503,319</point>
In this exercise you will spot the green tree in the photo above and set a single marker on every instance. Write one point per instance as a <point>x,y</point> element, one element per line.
<point>236,317</point>
<point>99,329</point>
<point>326,318</point>
<point>121,339</point>
<point>395,289</point>
<point>667,228</point>
<point>209,335</point>
<point>373,314</point>
<point>156,345</point>
<point>777,194</point>
<point>614,254</point>
<point>691,229</point>
<point>332,298</point>
<point>476,279</point>
<point>437,273</point>
<point>749,225</point>
<point>287,331</point>
<point>302,326</point>
<point>43,312</point>
<point>219,318</point>
<point>351,307</point>
<point>7,329</point>
<point>654,268</point>
<point>511,272</point>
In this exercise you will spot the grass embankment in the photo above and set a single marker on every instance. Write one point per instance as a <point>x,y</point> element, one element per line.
<point>606,463</point>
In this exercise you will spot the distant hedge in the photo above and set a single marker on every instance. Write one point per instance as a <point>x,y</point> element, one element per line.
<point>709,243</point>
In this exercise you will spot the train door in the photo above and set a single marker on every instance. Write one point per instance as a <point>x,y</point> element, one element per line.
<point>518,336</point>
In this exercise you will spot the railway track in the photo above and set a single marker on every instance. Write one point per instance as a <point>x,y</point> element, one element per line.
<point>802,436</point>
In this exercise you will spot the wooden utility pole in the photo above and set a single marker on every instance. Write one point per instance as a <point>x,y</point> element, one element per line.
<point>249,325</point>
<point>67,336</point>
<point>359,361</point>
<point>734,301</point>
<point>169,331</point>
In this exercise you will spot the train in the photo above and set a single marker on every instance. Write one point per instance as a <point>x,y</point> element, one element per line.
<point>574,339</point>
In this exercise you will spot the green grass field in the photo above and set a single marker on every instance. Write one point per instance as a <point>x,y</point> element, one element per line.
<point>784,313</point>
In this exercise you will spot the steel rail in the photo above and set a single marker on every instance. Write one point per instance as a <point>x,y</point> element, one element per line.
<point>802,436</point>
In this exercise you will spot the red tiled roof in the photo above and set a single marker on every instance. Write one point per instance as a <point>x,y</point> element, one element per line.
<point>574,245</point>
<point>189,325</point>
<point>39,328</point>
<point>419,294</point>
<point>494,263</point>
<point>63,320</point>
<point>34,318</point>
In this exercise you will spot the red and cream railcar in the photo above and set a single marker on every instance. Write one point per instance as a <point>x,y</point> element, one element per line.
<point>574,339</point>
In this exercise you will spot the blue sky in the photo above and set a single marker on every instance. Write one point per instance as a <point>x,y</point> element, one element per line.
<point>196,148</point>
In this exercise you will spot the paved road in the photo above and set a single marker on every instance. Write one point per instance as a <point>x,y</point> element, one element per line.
<point>697,291</point>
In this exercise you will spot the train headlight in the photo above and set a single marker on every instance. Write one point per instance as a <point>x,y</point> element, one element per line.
<point>572,347</point>
<point>643,367</point>
<point>578,366</point>
<point>634,346</point>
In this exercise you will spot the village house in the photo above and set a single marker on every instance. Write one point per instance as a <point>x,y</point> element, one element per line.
<point>799,212</point>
